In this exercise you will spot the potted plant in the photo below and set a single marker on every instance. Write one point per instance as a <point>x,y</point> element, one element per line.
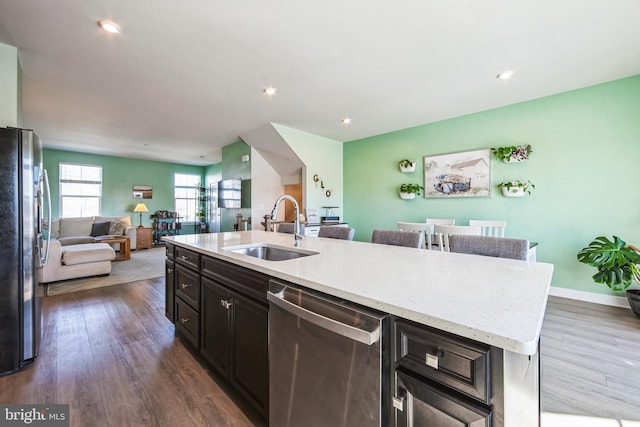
<point>407,165</point>
<point>617,265</point>
<point>409,191</point>
<point>516,188</point>
<point>514,153</point>
<point>200,215</point>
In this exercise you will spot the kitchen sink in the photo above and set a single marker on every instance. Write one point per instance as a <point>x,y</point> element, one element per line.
<point>269,252</point>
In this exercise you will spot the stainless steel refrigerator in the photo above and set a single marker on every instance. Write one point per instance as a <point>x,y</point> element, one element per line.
<point>23,249</point>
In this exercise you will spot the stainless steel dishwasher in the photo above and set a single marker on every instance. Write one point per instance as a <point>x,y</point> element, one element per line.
<point>325,360</point>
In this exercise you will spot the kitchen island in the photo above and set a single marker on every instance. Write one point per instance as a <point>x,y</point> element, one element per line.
<point>498,303</point>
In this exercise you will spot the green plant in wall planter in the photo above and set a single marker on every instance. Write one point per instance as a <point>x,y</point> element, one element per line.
<point>511,154</point>
<point>409,191</point>
<point>516,188</point>
<point>617,265</point>
<point>407,165</point>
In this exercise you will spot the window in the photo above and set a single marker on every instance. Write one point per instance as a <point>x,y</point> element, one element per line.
<point>80,190</point>
<point>186,195</point>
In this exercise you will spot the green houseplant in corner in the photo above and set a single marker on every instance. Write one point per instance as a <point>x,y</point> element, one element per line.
<point>409,191</point>
<point>617,265</point>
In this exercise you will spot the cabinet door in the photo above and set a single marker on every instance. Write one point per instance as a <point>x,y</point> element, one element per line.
<point>215,316</point>
<point>419,403</point>
<point>250,352</point>
<point>170,300</point>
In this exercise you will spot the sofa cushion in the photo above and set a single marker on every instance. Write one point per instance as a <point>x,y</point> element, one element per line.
<point>118,223</point>
<point>100,228</point>
<point>89,252</point>
<point>75,226</point>
<point>75,240</point>
<point>55,227</point>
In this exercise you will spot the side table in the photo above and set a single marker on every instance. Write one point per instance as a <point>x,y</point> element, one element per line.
<point>125,250</point>
<point>144,239</point>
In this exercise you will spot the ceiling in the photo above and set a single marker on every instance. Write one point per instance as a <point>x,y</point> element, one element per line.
<point>184,79</point>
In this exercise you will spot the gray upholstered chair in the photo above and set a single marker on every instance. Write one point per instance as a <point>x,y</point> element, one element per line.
<point>288,227</point>
<point>336,232</point>
<point>489,246</point>
<point>398,238</point>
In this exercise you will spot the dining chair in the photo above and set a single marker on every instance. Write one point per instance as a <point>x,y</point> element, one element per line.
<point>288,227</point>
<point>418,227</point>
<point>398,238</point>
<point>336,232</point>
<point>444,231</point>
<point>490,228</point>
<point>490,246</point>
<point>432,239</point>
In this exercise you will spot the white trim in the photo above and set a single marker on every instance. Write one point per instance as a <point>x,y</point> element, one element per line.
<point>589,297</point>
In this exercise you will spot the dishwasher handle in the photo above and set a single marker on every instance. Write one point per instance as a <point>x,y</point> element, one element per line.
<point>335,326</point>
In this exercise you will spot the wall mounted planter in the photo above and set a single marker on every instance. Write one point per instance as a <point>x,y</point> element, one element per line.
<point>407,196</point>
<point>513,192</point>
<point>407,166</point>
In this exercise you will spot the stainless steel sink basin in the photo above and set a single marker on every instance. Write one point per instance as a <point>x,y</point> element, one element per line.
<point>269,252</point>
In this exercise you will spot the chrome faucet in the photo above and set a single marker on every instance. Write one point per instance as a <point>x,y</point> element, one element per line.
<point>297,236</point>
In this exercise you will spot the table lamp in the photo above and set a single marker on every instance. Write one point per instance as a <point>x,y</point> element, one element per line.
<point>141,207</point>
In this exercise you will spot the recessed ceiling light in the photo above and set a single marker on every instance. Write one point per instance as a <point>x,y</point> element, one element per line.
<point>506,74</point>
<point>109,26</point>
<point>269,91</point>
<point>346,121</point>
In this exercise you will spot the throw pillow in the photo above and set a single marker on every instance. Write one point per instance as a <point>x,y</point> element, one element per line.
<point>117,228</point>
<point>100,228</point>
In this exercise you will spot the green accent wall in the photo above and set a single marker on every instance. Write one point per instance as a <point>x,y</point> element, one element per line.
<point>232,167</point>
<point>119,175</point>
<point>586,146</point>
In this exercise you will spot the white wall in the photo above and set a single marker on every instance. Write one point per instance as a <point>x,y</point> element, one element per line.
<point>321,156</point>
<point>265,189</point>
<point>9,86</point>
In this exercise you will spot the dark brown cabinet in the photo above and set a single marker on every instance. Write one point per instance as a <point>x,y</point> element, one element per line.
<point>234,340</point>
<point>440,379</point>
<point>222,310</point>
<point>169,274</point>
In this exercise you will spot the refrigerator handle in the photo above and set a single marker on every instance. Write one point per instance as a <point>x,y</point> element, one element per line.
<point>44,260</point>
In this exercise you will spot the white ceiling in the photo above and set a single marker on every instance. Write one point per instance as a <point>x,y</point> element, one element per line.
<point>185,78</point>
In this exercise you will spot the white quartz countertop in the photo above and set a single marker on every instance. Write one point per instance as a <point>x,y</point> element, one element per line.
<point>496,301</point>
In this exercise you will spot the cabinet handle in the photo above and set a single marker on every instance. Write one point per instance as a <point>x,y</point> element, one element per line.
<point>433,359</point>
<point>226,304</point>
<point>184,320</point>
<point>169,270</point>
<point>185,258</point>
<point>398,403</point>
<point>185,285</point>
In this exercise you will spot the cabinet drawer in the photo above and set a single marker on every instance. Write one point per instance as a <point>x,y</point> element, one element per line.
<point>238,278</point>
<point>188,286</point>
<point>169,251</point>
<point>187,257</point>
<point>419,403</point>
<point>187,322</point>
<point>456,362</point>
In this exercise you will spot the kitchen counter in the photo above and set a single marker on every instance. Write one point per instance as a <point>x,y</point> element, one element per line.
<point>496,301</point>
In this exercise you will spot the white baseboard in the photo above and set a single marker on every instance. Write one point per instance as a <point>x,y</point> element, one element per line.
<point>589,297</point>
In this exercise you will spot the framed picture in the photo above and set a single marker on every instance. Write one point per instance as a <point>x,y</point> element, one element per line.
<point>462,174</point>
<point>142,192</point>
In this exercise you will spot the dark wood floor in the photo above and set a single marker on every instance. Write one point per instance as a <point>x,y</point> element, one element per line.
<point>112,356</point>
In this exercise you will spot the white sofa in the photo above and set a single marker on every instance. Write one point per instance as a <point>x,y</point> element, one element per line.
<point>74,261</point>
<point>72,253</point>
<point>73,231</point>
